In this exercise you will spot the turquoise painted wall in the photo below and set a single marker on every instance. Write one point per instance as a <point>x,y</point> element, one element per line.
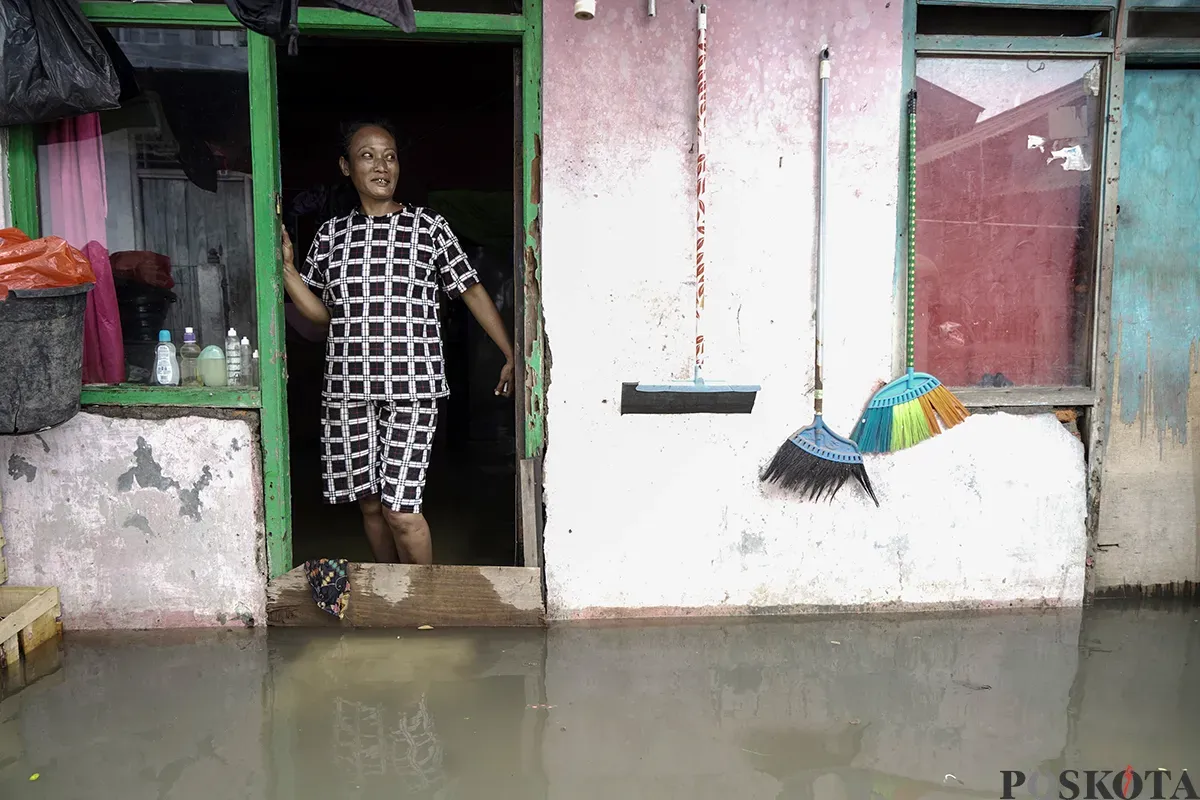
<point>1156,278</point>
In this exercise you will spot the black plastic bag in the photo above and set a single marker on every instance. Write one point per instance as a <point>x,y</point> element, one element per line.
<point>52,65</point>
<point>126,74</point>
<point>273,18</point>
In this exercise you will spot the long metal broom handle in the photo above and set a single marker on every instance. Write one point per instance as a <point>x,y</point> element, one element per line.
<point>701,180</point>
<point>910,312</point>
<point>823,147</point>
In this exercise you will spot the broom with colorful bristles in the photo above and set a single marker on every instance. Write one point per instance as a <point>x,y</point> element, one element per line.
<point>916,405</point>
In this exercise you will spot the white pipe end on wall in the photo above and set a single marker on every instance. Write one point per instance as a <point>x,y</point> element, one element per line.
<point>585,9</point>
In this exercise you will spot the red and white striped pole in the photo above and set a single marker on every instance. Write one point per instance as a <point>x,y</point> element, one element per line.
<point>701,180</point>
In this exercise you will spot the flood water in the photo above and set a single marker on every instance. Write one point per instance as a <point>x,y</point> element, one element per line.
<point>862,708</point>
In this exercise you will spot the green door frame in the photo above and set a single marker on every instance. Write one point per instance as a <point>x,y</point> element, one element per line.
<point>270,398</point>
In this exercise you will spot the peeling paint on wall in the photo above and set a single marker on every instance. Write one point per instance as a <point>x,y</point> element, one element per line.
<point>139,522</point>
<point>19,467</point>
<point>1156,278</point>
<point>190,498</point>
<point>147,473</point>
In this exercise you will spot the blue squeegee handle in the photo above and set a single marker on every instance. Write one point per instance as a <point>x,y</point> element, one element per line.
<point>822,150</point>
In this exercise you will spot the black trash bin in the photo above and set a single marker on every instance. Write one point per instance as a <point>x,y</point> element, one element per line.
<point>41,357</point>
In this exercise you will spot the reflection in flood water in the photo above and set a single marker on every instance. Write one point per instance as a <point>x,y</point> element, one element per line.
<point>864,708</point>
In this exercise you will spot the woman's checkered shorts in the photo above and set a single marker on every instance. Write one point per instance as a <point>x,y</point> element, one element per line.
<point>374,447</point>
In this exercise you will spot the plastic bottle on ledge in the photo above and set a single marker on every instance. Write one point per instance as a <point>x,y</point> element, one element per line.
<point>166,365</point>
<point>244,353</point>
<point>211,365</point>
<point>233,359</point>
<point>255,375</point>
<point>189,369</point>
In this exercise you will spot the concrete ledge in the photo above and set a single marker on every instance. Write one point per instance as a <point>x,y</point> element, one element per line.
<point>407,596</point>
<point>719,612</point>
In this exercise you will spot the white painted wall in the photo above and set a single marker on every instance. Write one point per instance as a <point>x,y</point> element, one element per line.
<point>664,514</point>
<point>140,523</point>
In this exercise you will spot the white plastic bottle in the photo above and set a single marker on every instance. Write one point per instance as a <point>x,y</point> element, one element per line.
<point>233,359</point>
<point>247,373</point>
<point>166,364</point>
<point>255,375</point>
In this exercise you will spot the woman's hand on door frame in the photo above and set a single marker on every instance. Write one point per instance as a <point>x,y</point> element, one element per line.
<point>505,387</point>
<point>288,251</point>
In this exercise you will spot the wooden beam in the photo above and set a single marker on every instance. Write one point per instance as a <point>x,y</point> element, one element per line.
<point>1014,396</point>
<point>529,477</point>
<point>28,619</point>
<point>27,613</point>
<point>13,597</point>
<point>408,596</point>
<point>10,654</point>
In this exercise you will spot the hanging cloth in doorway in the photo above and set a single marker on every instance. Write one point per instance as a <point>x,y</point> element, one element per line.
<point>78,211</point>
<point>395,12</point>
<point>273,18</point>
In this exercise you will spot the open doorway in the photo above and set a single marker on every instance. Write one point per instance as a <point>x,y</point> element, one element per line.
<point>453,105</point>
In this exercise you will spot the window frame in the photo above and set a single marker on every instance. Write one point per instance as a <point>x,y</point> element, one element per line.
<point>1100,48</point>
<point>522,29</point>
<point>1116,51</point>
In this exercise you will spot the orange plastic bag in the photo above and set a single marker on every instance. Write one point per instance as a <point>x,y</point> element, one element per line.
<point>46,263</point>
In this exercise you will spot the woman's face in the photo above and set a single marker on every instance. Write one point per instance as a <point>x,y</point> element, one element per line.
<point>372,166</point>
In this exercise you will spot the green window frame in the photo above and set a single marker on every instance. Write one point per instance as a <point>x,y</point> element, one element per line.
<point>270,398</point>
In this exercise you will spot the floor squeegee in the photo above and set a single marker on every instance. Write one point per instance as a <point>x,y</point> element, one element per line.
<point>698,395</point>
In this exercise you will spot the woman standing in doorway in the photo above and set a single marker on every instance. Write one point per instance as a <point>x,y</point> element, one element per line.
<point>371,278</point>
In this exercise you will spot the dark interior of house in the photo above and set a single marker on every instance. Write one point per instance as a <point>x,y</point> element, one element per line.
<point>452,105</point>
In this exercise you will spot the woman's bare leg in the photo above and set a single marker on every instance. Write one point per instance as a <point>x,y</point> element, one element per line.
<point>411,534</point>
<point>379,533</point>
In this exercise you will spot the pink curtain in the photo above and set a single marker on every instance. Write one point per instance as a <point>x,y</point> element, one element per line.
<point>78,213</point>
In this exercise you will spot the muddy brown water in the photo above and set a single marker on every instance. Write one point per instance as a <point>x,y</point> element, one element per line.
<point>862,708</point>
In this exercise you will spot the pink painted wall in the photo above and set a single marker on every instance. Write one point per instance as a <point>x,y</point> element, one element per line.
<point>663,514</point>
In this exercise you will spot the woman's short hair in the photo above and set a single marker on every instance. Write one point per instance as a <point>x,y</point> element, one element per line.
<point>350,129</point>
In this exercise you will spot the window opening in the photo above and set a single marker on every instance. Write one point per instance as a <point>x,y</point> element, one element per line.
<point>158,194</point>
<point>1006,206</point>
